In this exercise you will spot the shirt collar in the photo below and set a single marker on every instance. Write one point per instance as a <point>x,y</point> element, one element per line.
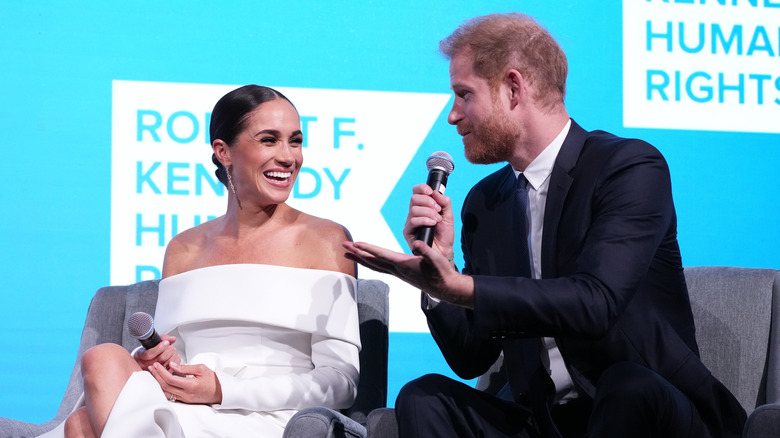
<point>541,167</point>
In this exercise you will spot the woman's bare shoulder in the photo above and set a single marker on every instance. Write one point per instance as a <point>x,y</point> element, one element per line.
<point>323,238</point>
<point>184,248</point>
<point>329,229</point>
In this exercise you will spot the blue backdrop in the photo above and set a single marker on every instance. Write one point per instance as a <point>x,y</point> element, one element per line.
<point>59,60</point>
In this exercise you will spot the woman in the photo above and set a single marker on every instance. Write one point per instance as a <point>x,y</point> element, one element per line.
<point>260,303</point>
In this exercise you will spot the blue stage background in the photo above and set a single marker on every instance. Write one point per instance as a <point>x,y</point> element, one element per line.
<point>59,61</point>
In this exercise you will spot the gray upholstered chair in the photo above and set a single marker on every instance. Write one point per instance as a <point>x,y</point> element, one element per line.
<point>737,315</point>
<point>112,305</point>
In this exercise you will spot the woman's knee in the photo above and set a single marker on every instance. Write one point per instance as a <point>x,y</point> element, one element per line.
<point>103,357</point>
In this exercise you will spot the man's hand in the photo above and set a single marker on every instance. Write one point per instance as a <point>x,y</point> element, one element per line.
<point>429,208</point>
<point>429,271</point>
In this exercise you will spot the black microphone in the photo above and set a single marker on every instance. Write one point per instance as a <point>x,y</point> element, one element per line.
<point>140,325</point>
<point>440,165</point>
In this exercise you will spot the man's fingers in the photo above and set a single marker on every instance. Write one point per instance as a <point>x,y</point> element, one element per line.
<point>383,254</point>
<point>424,189</point>
<point>370,262</point>
<point>376,257</point>
<point>367,250</point>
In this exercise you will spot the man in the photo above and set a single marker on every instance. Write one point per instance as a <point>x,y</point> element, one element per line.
<point>572,267</point>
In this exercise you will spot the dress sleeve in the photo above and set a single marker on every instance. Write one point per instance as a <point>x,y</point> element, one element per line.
<point>333,324</point>
<point>331,383</point>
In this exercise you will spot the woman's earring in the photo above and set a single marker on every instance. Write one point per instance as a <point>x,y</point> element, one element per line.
<point>232,187</point>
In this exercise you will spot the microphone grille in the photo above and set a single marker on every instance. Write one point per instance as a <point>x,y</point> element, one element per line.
<point>440,160</point>
<point>140,324</point>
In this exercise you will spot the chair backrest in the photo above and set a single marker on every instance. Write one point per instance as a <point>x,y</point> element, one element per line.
<point>106,321</point>
<point>112,306</point>
<point>734,309</point>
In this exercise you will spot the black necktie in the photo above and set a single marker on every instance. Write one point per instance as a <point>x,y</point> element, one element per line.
<point>522,224</point>
<point>527,373</point>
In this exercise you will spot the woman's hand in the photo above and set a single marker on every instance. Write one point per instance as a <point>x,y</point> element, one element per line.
<point>162,353</point>
<point>199,386</point>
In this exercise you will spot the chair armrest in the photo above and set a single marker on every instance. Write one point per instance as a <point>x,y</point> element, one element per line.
<point>101,316</point>
<point>381,423</point>
<point>104,323</point>
<point>15,428</point>
<point>322,423</point>
<point>764,422</point>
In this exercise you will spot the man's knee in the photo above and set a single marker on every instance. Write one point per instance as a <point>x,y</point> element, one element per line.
<point>427,384</point>
<point>631,398</point>
<point>422,387</point>
<point>628,381</point>
<point>636,394</point>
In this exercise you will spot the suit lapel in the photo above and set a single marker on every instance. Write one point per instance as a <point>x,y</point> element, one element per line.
<point>560,182</point>
<point>493,252</point>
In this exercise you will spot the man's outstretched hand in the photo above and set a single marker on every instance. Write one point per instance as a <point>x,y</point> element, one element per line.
<point>429,270</point>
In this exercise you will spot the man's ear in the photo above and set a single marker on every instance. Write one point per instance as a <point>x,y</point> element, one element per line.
<point>222,152</point>
<point>515,85</point>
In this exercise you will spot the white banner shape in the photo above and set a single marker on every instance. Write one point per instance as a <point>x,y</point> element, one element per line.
<point>357,146</point>
<point>701,65</point>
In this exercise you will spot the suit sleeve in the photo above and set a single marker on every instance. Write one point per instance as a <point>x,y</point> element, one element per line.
<point>453,330</point>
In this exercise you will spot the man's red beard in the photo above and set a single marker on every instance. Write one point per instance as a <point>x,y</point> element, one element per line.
<point>491,141</point>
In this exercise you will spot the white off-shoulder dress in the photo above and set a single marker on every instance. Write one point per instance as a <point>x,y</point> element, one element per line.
<point>279,339</point>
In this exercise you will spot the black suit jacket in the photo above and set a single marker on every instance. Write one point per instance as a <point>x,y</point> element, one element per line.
<point>612,290</point>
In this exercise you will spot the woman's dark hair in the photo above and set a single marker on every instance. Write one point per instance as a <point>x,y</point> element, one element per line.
<point>228,118</point>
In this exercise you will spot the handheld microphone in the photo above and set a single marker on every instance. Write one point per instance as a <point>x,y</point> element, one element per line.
<point>440,165</point>
<point>140,325</point>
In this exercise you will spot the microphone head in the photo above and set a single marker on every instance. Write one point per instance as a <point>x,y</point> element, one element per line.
<point>140,325</point>
<point>440,160</point>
